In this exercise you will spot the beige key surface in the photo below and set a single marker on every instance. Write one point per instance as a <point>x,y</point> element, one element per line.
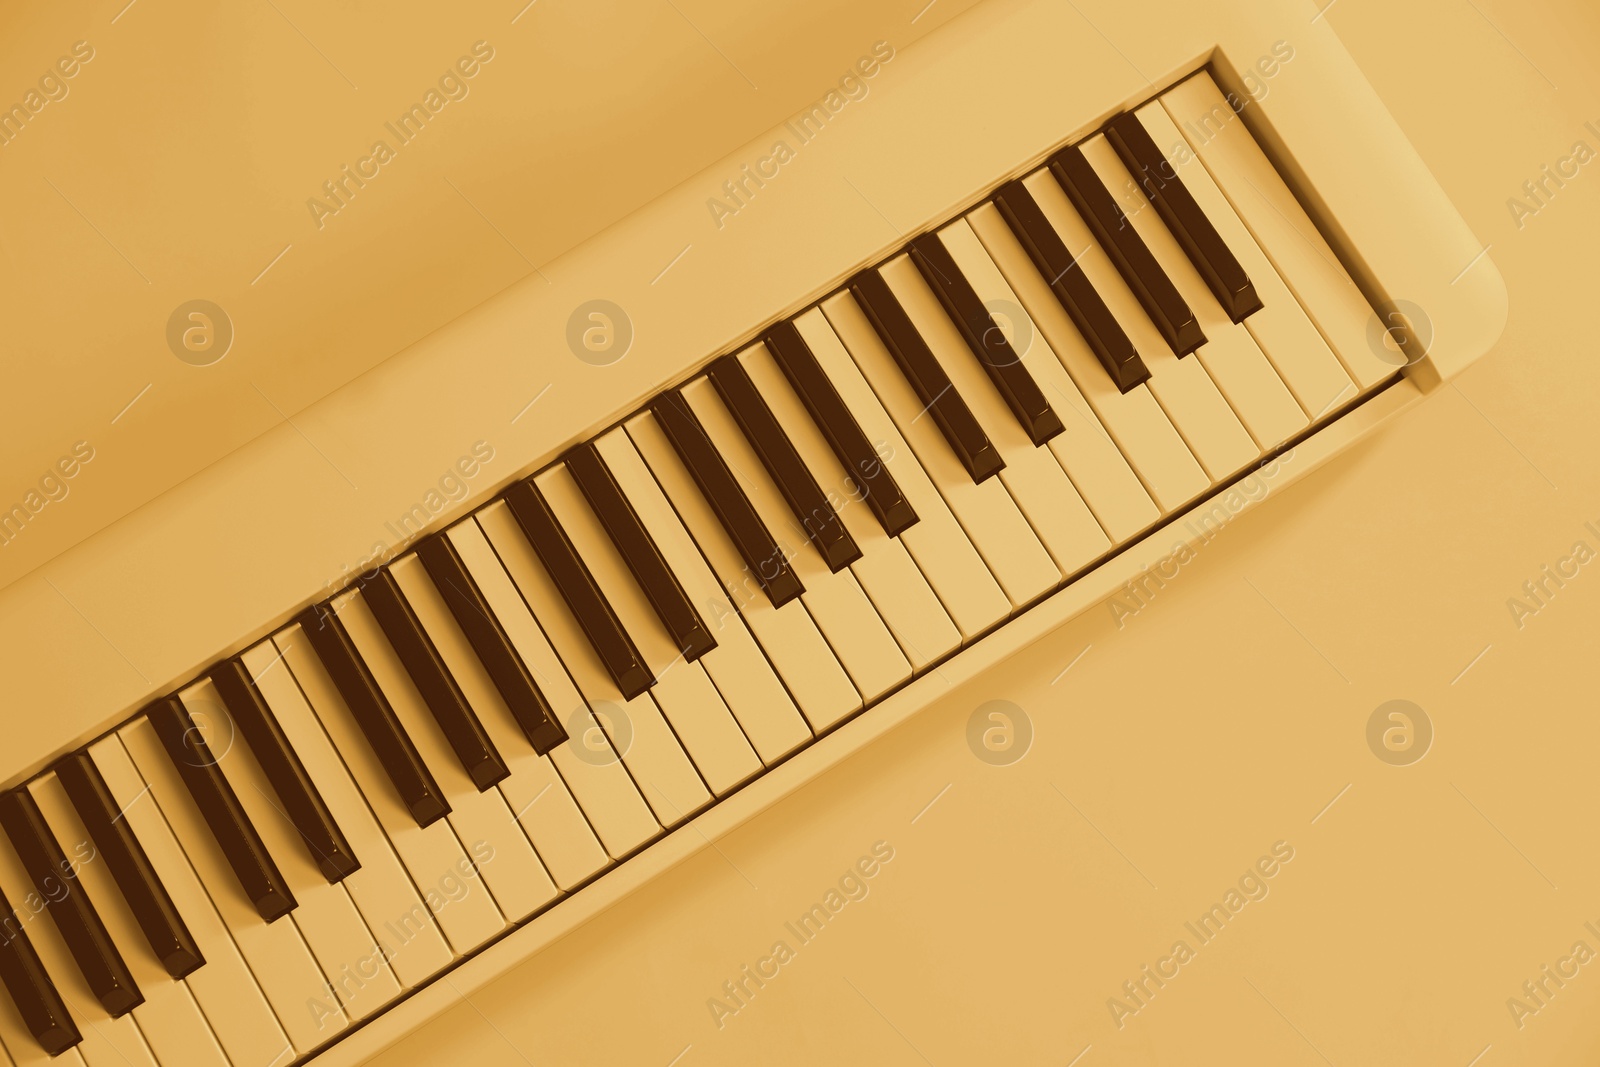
<point>987,514</point>
<point>530,839</point>
<point>598,790</point>
<point>1036,482</point>
<point>649,749</point>
<point>169,1018</point>
<point>1230,355</point>
<point>887,573</point>
<point>953,568</point>
<point>483,824</point>
<point>1286,335</point>
<point>225,988</point>
<point>699,716</point>
<point>752,691</point>
<point>443,875</point>
<point>331,927</point>
<point>1182,387</point>
<point>788,635</point>
<point>107,1042</point>
<point>275,952</point>
<point>1279,226</point>
<point>1135,422</point>
<point>1098,471</point>
<point>842,612</point>
<point>381,889</point>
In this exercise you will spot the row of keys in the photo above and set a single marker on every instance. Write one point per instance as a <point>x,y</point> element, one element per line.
<point>488,722</point>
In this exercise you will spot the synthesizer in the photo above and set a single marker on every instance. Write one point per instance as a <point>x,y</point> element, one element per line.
<point>650,629</point>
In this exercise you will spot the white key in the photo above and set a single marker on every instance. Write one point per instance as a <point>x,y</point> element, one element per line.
<point>598,789</point>
<point>953,568</point>
<point>1230,355</point>
<point>746,680</point>
<point>107,1042</point>
<point>277,954</point>
<point>704,725</point>
<point>1134,421</point>
<point>1098,470</point>
<point>788,635</point>
<point>358,977</point>
<point>1032,476</point>
<point>840,609</point>
<point>637,732</point>
<point>482,822</point>
<point>1000,532</point>
<point>1288,338</point>
<point>441,871</point>
<point>169,1018</point>
<point>885,570</point>
<point>1186,393</point>
<point>381,889</point>
<point>224,987</point>
<point>1280,226</point>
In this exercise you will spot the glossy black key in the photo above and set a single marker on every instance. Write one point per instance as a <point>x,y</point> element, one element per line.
<point>55,879</point>
<point>761,554</point>
<point>115,842</point>
<point>777,454</point>
<point>856,454</point>
<point>987,341</point>
<point>1201,243</point>
<point>1111,228</point>
<point>232,829</point>
<point>1071,286</point>
<point>932,386</point>
<point>494,649</point>
<point>639,551</point>
<point>448,705</point>
<point>579,589</point>
<point>373,715</point>
<point>297,796</point>
<point>34,995</point>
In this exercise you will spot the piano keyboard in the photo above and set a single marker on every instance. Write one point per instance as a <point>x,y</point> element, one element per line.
<point>478,729</point>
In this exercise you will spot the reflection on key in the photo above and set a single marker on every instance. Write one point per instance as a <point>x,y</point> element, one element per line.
<point>225,989</point>
<point>55,878</point>
<point>34,1016</point>
<point>169,1018</point>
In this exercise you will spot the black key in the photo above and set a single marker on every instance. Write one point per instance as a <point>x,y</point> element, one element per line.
<point>31,990</point>
<point>495,651</point>
<point>579,589</point>
<point>448,705</point>
<point>55,878</point>
<point>762,556</point>
<point>805,497</point>
<point>987,341</point>
<point>1071,286</point>
<point>298,796</point>
<point>115,842</point>
<point>793,356</point>
<point>243,848</point>
<point>639,551</point>
<point>1111,228</point>
<point>374,717</point>
<point>1200,240</point>
<point>932,386</point>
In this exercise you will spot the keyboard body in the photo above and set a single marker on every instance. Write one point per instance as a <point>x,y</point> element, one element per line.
<point>229,557</point>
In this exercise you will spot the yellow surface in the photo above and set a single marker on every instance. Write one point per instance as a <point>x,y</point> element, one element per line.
<point>1221,718</point>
